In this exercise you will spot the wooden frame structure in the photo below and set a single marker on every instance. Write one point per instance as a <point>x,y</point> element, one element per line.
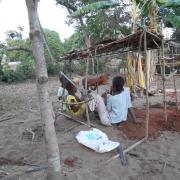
<point>141,41</point>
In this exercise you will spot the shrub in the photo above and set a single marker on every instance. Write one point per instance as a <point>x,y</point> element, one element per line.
<point>54,69</point>
<point>79,68</point>
<point>25,70</point>
<point>8,75</point>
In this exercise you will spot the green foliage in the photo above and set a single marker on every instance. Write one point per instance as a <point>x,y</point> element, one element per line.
<point>74,42</point>
<point>1,56</point>
<point>95,6</point>
<point>25,70</point>
<point>108,24</point>
<point>8,74</point>
<point>101,66</point>
<point>100,20</point>
<point>18,55</point>
<point>79,68</point>
<point>55,68</point>
<point>1,53</point>
<point>174,20</point>
<point>54,43</point>
<point>170,3</point>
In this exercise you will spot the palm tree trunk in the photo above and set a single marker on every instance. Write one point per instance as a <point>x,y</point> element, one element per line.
<point>153,18</point>
<point>42,87</point>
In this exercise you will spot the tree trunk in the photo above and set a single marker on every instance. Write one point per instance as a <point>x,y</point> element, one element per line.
<point>153,18</point>
<point>87,42</point>
<point>42,87</point>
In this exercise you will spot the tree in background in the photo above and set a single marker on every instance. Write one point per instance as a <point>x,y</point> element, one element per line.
<point>76,41</point>
<point>154,8</point>
<point>53,48</point>
<point>54,43</point>
<point>108,24</point>
<point>18,48</point>
<point>94,20</point>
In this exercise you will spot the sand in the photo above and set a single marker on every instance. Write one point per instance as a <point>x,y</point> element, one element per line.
<point>20,156</point>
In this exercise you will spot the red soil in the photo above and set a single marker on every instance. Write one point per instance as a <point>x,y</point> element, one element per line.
<point>157,123</point>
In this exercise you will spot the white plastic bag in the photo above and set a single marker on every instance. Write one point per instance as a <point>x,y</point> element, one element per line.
<point>96,140</point>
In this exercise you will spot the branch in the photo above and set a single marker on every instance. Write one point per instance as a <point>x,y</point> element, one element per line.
<point>19,48</point>
<point>67,5</point>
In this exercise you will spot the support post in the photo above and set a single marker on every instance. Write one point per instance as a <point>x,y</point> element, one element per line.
<point>147,89</point>
<point>163,79</point>
<point>175,89</point>
<point>86,91</point>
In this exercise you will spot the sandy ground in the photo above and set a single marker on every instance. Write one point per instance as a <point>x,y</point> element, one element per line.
<point>21,157</point>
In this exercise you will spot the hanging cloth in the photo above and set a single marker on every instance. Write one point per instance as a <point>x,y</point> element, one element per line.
<point>140,72</point>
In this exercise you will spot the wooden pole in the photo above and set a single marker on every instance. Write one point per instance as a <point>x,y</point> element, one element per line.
<point>163,79</point>
<point>125,151</point>
<point>175,89</point>
<point>147,89</point>
<point>75,119</point>
<point>86,90</point>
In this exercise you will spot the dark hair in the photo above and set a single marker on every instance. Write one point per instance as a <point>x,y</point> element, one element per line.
<point>70,88</point>
<point>67,84</point>
<point>63,80</point>
<point>118,84</point>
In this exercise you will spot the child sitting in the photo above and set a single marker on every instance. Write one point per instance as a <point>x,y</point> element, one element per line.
<point>118,103</point>
<point>68,92</point>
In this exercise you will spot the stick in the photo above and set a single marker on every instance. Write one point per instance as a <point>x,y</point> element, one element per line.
<point>147,88</point>
<point>71,81</point>
<point>70,128</point>
<point>36,169</point>
<point>86,88</point>
<point>68,116</point>
<point>164,88</point>
<point>126,150</point>
<point>6,119</point>
<point>170,75</point>
<point>175,89</point>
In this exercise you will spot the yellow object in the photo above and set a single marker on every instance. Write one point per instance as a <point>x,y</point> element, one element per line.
<point>140,74</point>
<point>71,99</point>
<point>129,69</point>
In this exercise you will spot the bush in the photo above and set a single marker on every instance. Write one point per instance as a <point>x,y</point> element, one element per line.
<point>54,69</point>
<point>79,68</point>
<point>25,70</point>
<point>101,66</point>
<point>8,75</point>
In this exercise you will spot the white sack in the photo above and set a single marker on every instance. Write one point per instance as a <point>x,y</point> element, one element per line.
<point>96,140</point>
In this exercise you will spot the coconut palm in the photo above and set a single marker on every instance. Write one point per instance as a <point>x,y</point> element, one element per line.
<point>152,7</point>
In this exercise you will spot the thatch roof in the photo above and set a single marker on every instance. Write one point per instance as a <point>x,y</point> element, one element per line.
<point>132,42</point>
